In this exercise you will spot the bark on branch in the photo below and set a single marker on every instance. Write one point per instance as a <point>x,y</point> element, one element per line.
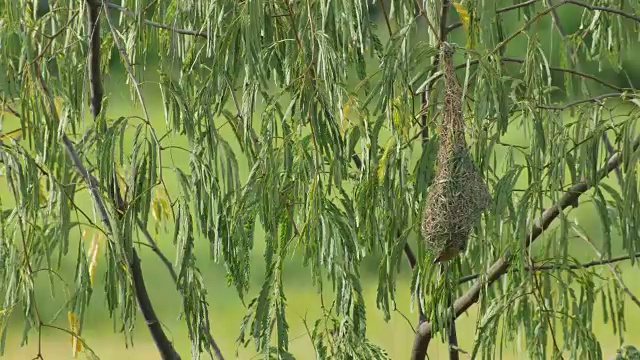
<point>586,265</point>
<point>164,345</point>
<point>95,82</point>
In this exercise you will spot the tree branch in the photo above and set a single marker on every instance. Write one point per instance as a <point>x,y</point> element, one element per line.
<point>612,269</point>
<point>526,26</point>
<point>565,70</point>
<point>154,246</point>
<point>386,17</point>
<point>164,345</point>
<point>452,334</point>
<point>452,339</point>
<point>627,14</point>
<point>500,267</point>
<point>595,99</point>
<point>552,9</point>
<point>498,11</point>
<point>136,85</point>
<point>516,6</point>
<point>119,202</point>
<point>156,24</point>
<point>156,249</point>
<point>93,28</point>
<point>586,265</point>
<point>611,150</point>
<point>507,59</point>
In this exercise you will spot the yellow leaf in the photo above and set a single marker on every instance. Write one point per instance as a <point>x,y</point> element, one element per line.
<point>400,116</point>
<point>385,156</point>
<point>58,102</point>
<point>93,255</point>
<point>74,325</point>
<point>346,108</point>
<point>160,207</point>
<point>42,192</point>
<point>346,122</point>
<point>465,19</point>
<point>464,15</point>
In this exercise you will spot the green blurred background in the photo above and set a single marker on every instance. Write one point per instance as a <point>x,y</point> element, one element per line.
<point>226,309</point>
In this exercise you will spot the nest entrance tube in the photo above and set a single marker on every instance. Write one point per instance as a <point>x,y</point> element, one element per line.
<point>458,195</point>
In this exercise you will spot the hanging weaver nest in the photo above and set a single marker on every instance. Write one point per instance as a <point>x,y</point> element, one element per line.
<point>458,195</point>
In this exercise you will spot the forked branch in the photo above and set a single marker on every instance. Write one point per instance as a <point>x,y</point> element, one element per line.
<point>500,267</point>
<point>164,345</point>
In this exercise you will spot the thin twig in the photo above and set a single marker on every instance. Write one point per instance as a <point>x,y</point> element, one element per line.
<point>73,334</point>
<point>452,334</point>
<point>386,17</point>
<point>8,108</point>
<point>537,17</point>
<point>516,6</point>
<point>611,150</point>
<point>452,337</point>
<point>238,126</point>
<point>154,246</point>
<point>156,24</point>
<point>96,101</point>
<point>569,71</point>
<point>628,14</point>
<point>422,12</point>
<point>438,75</point>
<point>526,25</point>
<point>595,99</point>
<point>586,265</point>
<point>498,11</point>
<point>453,26</point>
<point>53,37</point>
<point>205,328</point>
<point>547,313</point>
<point>411,257</point>
<point>618,279</point>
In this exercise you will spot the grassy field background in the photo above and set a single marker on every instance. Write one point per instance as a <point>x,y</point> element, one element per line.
<point>226,310</point>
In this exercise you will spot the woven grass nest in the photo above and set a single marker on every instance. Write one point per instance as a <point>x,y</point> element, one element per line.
<point>458,194</point>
